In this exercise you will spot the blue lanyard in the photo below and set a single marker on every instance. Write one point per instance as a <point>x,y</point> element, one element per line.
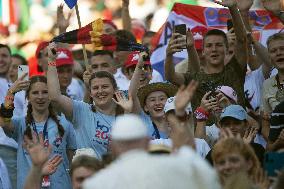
<point>45,133</point>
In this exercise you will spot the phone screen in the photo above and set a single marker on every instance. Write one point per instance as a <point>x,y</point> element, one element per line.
<point>22,69</point>
<point>181,29</point>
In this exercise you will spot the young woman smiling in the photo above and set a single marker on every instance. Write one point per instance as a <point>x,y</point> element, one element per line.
<point>41,119</point>
<point>93,122</point>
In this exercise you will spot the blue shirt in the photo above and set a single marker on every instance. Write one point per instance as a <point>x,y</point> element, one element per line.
<point>59,179</point>
<point>152,132</point>
<point>92,128</point>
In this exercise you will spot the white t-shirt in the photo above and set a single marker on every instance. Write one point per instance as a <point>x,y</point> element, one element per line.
<point>212,134</point>
<point>253,87</point>
<point>202,148</point>
<point>76,90</point>
<point>123,83</point>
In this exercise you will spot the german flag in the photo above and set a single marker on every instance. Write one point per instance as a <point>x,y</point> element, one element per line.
<point>92,34</point>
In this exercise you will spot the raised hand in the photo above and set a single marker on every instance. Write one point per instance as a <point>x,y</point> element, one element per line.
<point>189,39</point>
<point>62,22</point>
<point>20,84</point>
<point>176,44</point>
<point>121,100</point>
<point>250,134</point>
<point>51,49</point>
<point>184,96</point>
<point>50,167</point>
<point>226,3</point>
<point>35,147</point>
<point>273,6</point>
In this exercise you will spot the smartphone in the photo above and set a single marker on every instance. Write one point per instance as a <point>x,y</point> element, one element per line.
<point>22,69</point>
<point>273,161</point>
<point>181,29</point>
<point>230,24</point>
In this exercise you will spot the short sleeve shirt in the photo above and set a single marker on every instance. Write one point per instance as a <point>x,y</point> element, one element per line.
<point>61,178</point>
<point>92,128</point>
<point>232,75</point>
<point>269,100</point>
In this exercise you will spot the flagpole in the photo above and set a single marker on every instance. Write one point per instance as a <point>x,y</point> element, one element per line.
<point>84,48</point>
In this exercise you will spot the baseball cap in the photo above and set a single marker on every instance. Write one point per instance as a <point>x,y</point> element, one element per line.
<point>40,47</point>
<point>132,60</point>
<point>64,57</point>
<point>229,92</point>
<point>170,105</point>
<point>128,127</point>
<point>234,111</point>
<point>276,122</point>
<point>160,146</point>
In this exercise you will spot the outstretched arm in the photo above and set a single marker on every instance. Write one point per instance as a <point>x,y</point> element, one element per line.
<point>239,29</point>
<point>63,103</point>
<point>193,59</point>
<point>176,44</point>
<point>126,20</point>
<point>135,83</point>
<point>8,106</point>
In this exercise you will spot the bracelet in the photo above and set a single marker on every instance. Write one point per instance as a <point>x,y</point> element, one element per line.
<point>6,119</point>
<point>9,97</point>
<point>51,63</point>
<point>201,114</point>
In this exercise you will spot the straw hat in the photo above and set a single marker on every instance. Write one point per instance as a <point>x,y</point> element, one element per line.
<point>167,88</point>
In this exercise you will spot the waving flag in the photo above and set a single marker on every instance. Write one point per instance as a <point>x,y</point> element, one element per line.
<point>92,34</point>
<point>200,19</point>
<point>71,3</point>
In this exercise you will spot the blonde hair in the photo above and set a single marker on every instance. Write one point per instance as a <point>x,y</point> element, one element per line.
<point>231,145</point>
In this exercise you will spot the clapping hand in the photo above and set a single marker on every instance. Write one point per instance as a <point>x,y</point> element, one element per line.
<point>273,6</point>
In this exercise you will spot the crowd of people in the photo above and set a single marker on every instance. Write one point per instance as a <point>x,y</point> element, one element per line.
<point>118,123</point>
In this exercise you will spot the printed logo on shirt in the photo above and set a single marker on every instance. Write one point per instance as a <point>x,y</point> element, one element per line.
<point>102,134</point>
<point>57,141</point>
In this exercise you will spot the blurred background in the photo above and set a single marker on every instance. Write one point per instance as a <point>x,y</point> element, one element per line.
<point>24,23</point>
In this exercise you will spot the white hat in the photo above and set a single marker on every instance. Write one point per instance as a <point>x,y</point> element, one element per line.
<point>84,151</point>
<point>170,105</point>
<point>128,127</point>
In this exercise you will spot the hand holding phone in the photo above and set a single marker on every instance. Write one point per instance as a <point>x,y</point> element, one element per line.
<point>23,69</point>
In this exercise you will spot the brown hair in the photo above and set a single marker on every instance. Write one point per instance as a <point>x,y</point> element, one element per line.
<point>52,114</point>
<point>274,37</point>
<point>230,145</point>
<point>87,162</point>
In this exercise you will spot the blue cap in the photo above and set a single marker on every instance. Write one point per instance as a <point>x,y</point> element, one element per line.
<point>235,111</point>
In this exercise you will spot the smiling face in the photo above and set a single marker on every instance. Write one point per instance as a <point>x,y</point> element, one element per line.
<point>38,97</point>
<point>102,91</point>
<point>236,126</point>
<point>231,163</point>
<point>5,60</point>
<point>214,50</point>
<point>276,53</point>
<point>154,104</point>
